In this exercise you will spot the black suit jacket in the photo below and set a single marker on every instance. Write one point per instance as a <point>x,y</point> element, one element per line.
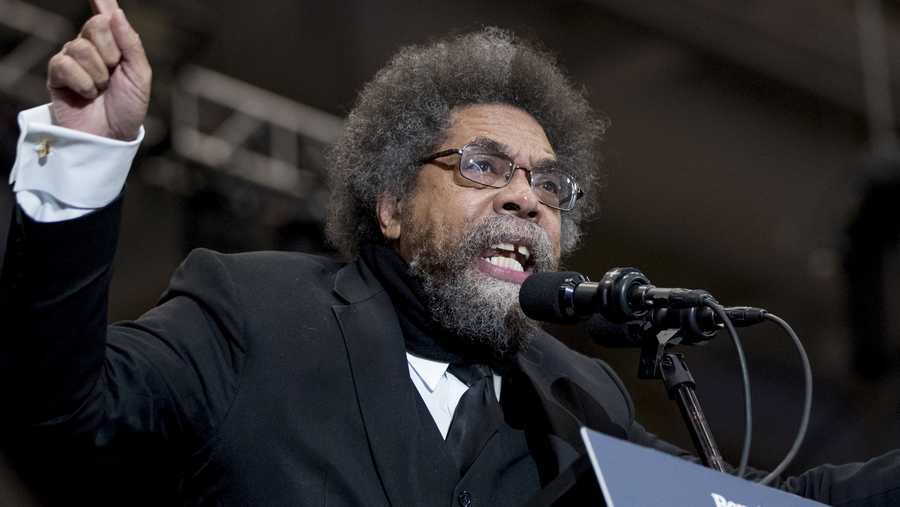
<point>281,379</point>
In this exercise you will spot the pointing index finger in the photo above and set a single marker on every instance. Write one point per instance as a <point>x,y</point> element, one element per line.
<point>104,6</point>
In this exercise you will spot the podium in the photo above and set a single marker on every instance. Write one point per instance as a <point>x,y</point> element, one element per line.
<point>616,473</point>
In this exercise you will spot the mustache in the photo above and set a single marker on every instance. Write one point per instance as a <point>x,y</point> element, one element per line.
<point>492,230</point>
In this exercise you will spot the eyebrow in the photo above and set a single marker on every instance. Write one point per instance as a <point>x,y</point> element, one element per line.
<point>497,147</point>
<point>491,145</point>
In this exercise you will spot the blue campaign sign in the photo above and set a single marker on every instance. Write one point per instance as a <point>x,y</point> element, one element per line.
<point>632,476</point>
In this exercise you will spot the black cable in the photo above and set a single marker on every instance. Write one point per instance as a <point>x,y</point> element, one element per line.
<point>745,378</point>
<point>807,401</point>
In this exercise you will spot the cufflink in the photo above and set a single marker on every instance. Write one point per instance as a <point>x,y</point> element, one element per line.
<point>43,148</point>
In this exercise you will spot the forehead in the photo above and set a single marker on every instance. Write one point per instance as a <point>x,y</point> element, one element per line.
<point>507,125</point>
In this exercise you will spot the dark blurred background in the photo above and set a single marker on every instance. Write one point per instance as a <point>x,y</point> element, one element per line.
<point>752,154</point>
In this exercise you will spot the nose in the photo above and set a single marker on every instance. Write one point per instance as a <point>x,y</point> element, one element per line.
<point>517,198</point>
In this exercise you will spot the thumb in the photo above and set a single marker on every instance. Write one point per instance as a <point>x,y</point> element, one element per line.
<point>128,40</point>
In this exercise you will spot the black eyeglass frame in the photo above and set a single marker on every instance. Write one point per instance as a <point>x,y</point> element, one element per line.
<point>513,167</point>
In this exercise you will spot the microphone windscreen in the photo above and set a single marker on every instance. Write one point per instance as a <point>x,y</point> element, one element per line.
<point>539,295</point>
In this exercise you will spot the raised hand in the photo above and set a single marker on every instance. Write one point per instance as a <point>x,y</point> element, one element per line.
<point>100,82</point>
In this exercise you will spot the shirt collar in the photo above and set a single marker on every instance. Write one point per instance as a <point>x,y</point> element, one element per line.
<point>429,370</point>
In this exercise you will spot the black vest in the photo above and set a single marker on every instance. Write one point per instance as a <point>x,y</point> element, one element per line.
<point>503,474</point>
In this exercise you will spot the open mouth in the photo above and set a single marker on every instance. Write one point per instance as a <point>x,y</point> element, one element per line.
<point>509,256</point>
<point>507,261</point>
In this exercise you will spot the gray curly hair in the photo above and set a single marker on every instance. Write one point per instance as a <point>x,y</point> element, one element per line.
<point>403,113</point>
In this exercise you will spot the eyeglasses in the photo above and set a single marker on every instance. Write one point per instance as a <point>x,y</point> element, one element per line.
<point>494,169</point>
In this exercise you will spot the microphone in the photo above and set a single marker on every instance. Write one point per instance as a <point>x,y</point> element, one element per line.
<point>623,294</point>
<point>695,326</point>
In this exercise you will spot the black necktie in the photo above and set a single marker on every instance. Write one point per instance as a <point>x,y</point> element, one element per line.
<point>477,415</point>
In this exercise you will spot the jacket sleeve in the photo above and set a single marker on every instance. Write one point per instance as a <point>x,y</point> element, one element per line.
<point>875,483</point>
<point>172,373</point>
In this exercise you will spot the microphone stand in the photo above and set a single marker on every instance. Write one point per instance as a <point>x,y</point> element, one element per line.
<point>657,363</point>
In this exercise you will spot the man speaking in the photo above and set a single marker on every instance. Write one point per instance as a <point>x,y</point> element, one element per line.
<point>407,375</point>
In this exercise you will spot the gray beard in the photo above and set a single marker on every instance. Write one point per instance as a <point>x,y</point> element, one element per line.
<point>481,311</point>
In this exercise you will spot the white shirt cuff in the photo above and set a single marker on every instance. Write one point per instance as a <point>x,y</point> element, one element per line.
<point>61,173</point>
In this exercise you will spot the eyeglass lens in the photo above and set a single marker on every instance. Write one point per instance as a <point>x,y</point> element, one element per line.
<point>496,170</point>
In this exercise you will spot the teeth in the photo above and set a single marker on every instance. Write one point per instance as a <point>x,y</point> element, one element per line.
<point>509,247</point>
<point>506,263</point>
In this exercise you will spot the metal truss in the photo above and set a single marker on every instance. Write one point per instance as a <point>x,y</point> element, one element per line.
<point>249,133</point>
<point>35,34</point>
<point>217,124</point>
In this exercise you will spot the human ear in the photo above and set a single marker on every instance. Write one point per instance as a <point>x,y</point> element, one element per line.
<point>388,209</point>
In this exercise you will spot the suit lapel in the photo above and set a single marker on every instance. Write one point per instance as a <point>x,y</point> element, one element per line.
<point>551,408</point>
<point>398,438</point>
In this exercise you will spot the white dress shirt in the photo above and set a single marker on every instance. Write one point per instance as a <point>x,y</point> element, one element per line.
<point>62,174</point>
<point>440,389</point>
